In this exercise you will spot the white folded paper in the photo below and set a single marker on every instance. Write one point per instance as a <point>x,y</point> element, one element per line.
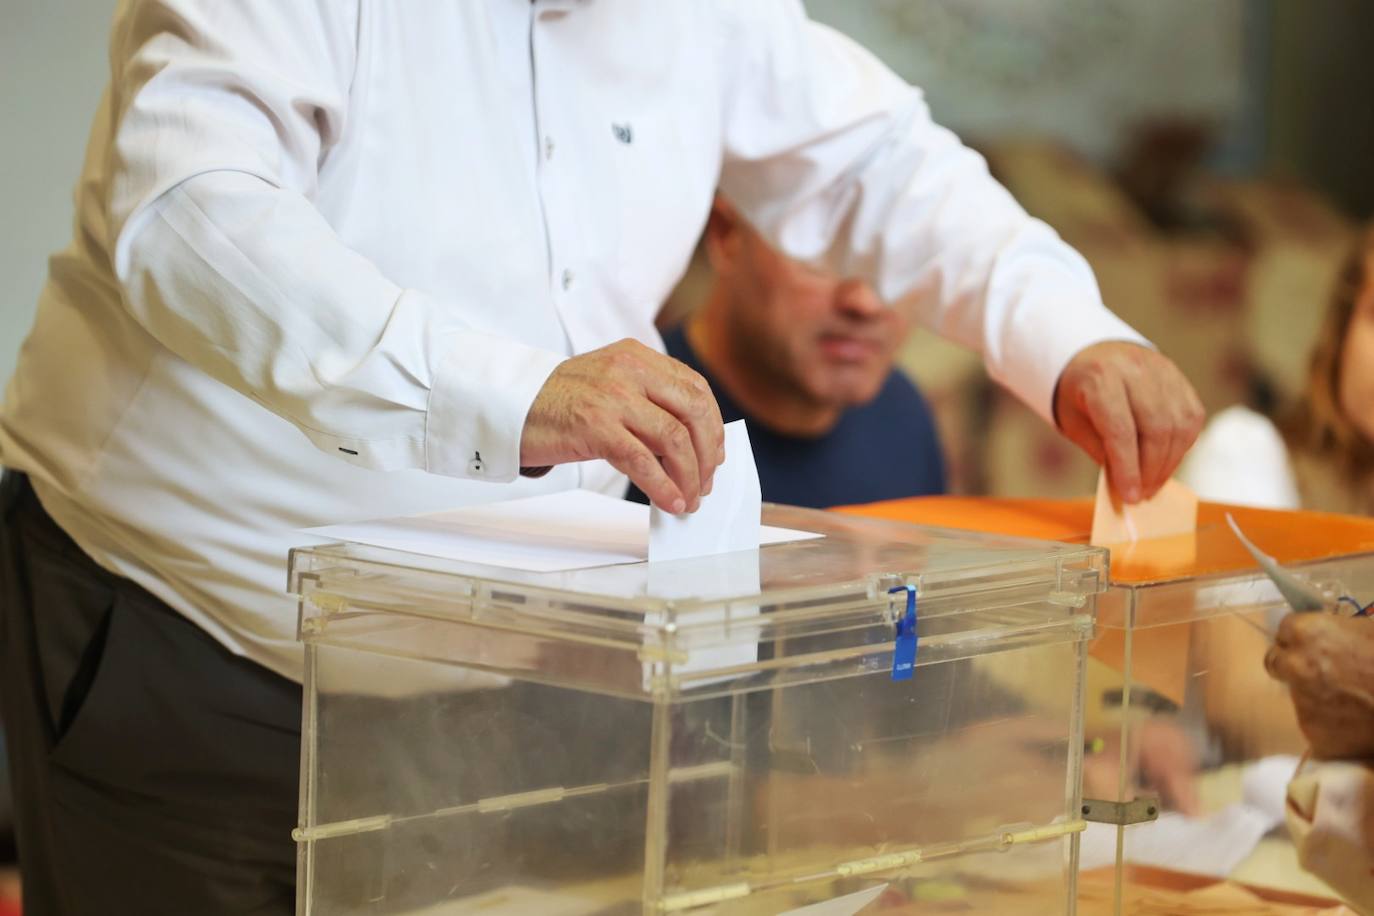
<point>848,905</point>
<point>729,517</point>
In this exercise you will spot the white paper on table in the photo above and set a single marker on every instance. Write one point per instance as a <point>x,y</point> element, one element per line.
<point>1264,785</point>
<point>572,529</point>
<point>581,529</point>
<point>728,519</point>
<point>515,900</point>
<point>1213,845</point>
<point>848,905</point>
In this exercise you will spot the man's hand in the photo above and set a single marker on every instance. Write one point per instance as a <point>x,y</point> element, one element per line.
<point>1132,410</point>
<point>1328,663</point>
<point>651,417</point>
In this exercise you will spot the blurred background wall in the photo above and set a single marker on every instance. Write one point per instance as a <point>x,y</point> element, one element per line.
<point>1080,71</point>
<point>52,67</point>
<point>1320,109</point>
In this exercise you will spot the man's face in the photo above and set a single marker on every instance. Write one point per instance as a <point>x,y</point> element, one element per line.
<point>1357,360</point>
<point>829,338</point>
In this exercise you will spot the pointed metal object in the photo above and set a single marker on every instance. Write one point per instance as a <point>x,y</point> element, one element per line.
<point>1301,596</point>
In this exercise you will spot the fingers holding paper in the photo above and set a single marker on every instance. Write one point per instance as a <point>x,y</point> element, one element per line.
<point>654,419</point>
<point>1132,410</point>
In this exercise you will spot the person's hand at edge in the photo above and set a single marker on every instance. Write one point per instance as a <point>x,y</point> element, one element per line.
<point>1327,661</point>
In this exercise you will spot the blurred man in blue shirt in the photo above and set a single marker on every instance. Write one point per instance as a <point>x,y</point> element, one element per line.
<point>805,358</point>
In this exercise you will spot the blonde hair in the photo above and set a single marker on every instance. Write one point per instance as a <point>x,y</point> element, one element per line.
<point>1318,426</point>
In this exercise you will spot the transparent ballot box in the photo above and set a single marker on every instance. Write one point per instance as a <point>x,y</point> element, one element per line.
<point>739,734</point>
<point>1191,744</point>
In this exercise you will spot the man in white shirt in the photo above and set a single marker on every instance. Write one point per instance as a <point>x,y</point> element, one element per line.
<point>336,259</point>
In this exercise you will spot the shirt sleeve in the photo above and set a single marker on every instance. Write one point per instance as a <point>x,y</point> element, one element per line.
<point>838,163</point>
<point>226,113</point>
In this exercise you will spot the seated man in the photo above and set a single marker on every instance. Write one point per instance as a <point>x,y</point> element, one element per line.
<point>805,359</point>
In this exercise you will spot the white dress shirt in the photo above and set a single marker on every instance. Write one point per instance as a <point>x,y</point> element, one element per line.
<point>328,251</point>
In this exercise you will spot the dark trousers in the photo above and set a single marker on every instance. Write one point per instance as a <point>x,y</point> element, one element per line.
<point>154,771</point>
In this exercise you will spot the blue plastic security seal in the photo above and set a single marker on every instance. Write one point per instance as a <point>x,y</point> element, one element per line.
<point>1360,610</point>
<point>904,653</point>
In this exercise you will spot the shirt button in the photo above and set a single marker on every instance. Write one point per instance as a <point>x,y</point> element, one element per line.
<point>567,279</point>
<point>548,147</point>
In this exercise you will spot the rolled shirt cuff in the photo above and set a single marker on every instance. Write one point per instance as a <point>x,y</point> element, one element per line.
<point>482,392</point>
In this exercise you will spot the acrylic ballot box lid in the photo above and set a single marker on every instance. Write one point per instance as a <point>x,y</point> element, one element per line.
<point>695,624</point>
<point>1210,569</point>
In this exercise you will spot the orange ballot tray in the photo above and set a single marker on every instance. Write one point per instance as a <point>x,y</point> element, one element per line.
<point>1190,743</point>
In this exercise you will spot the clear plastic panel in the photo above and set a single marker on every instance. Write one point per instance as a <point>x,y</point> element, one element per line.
<point>946,787</point>
<point>1186,713</point>
<point>720,736</point>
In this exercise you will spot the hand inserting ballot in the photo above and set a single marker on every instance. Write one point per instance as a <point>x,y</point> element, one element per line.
<point>1132,410</point>
<point>1328,663</point>
<point>654,419</point>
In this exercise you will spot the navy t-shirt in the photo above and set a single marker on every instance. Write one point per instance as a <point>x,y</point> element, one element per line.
<point>885,449</point>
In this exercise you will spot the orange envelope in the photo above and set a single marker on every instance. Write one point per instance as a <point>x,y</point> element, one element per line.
<point>1169,514</point>
<point>1159,533</point>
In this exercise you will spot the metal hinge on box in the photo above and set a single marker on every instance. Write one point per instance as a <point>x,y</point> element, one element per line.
<point>1122,813</point>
